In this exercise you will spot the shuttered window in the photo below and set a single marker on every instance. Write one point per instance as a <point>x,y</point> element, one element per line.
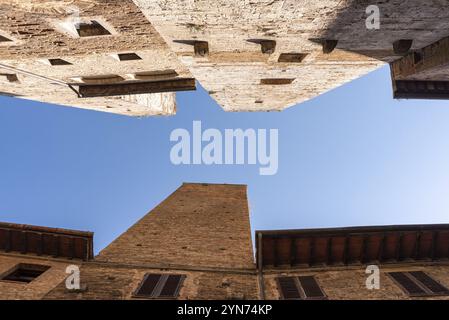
<point>418,283</point>
<point>304,287</point>
<point>164,286</point>
<point>311,288</point>
<point>289,288</point>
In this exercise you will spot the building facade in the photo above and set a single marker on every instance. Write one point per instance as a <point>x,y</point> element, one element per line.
<point>197,244</point>
<point>129,57</point>
<point>265,55</point>
<point>92,54</point>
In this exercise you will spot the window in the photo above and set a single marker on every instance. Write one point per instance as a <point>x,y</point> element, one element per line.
<point>201,48</point>
<point>292,57</point>
<point>300,288</point>
<point>91,29</point>
<point>58,62</point>
<point>329,45</point>
<point>25,273</point>
<point>4,39</point>
<point>277,81</point>
<point>10,77</point>
<point>128,56</point>
<point>266,46</point>
<point>418,283</point>
<point>162,286</point>
<point>401,47</point>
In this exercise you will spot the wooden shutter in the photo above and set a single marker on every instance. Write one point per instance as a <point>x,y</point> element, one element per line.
<point>160,286</point>
<point>303,287</point>
<point>311,288</point>
<point>418,283</point>
<point>407,284</point>
<point>148,285</point>
<point>433,286</point>
<point>171,286</point>
<point>288,288</point>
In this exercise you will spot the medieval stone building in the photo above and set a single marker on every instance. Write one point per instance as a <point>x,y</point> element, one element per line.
<point>264,55</point>
<point>130,57</point>
<point>100,55</point>
<point>197,244</point>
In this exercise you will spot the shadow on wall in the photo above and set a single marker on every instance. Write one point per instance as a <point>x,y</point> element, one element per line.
<point>403,25</point>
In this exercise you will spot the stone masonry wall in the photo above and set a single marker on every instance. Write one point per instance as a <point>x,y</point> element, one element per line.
<point>39,287</point>
<point>198,225</point>
<point>114,282</point>
<point>349,283</point>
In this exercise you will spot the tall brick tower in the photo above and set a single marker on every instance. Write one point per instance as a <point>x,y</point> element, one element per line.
<point>196,244</point>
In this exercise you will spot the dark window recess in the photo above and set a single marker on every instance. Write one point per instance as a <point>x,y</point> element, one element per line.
<point>418,283</point>
<point>201,48</point>
<point>91,29</point>
<point>266,46</point>
<point>304,287</point>
<point>25,273</point>
<point>164,286</point>
<point>128,56</point>
<point>329,45</point>
<point>10,77</point>
<point>59,62</point>
<point>401,47</point>
<point>4,39</point>
<point>311,288</point>
<point>432,285</point>
<point>289,288</point>
<point>292,57</point>
<point>277,81</point>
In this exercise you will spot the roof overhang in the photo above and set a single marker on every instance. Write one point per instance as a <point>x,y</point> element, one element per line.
<point>43,241</point>
<point>356,245</point>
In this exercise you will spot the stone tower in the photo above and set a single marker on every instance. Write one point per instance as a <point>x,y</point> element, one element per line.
<point>200,233</point>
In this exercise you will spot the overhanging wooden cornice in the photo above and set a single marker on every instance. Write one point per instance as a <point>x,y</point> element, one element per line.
<point>356,245</point>
<point>134,87</point>
<point>43,241</point>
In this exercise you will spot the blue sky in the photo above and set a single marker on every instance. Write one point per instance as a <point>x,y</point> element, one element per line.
<point>352,156</point>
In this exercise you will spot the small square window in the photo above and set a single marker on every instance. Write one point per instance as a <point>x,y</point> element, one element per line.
<point>128,56</point>
<point>4,39</point>
<point>92,29</point>
<point>292,57</point>
<point>58,62</point>
<point>10,77</point>
<point>25,273</point>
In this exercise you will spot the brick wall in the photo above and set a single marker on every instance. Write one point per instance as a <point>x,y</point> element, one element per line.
<point>349,283</point>
<point>37,288</point>
<point>201,231</point>
<point>197,225</point>
<point>111,282</point>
